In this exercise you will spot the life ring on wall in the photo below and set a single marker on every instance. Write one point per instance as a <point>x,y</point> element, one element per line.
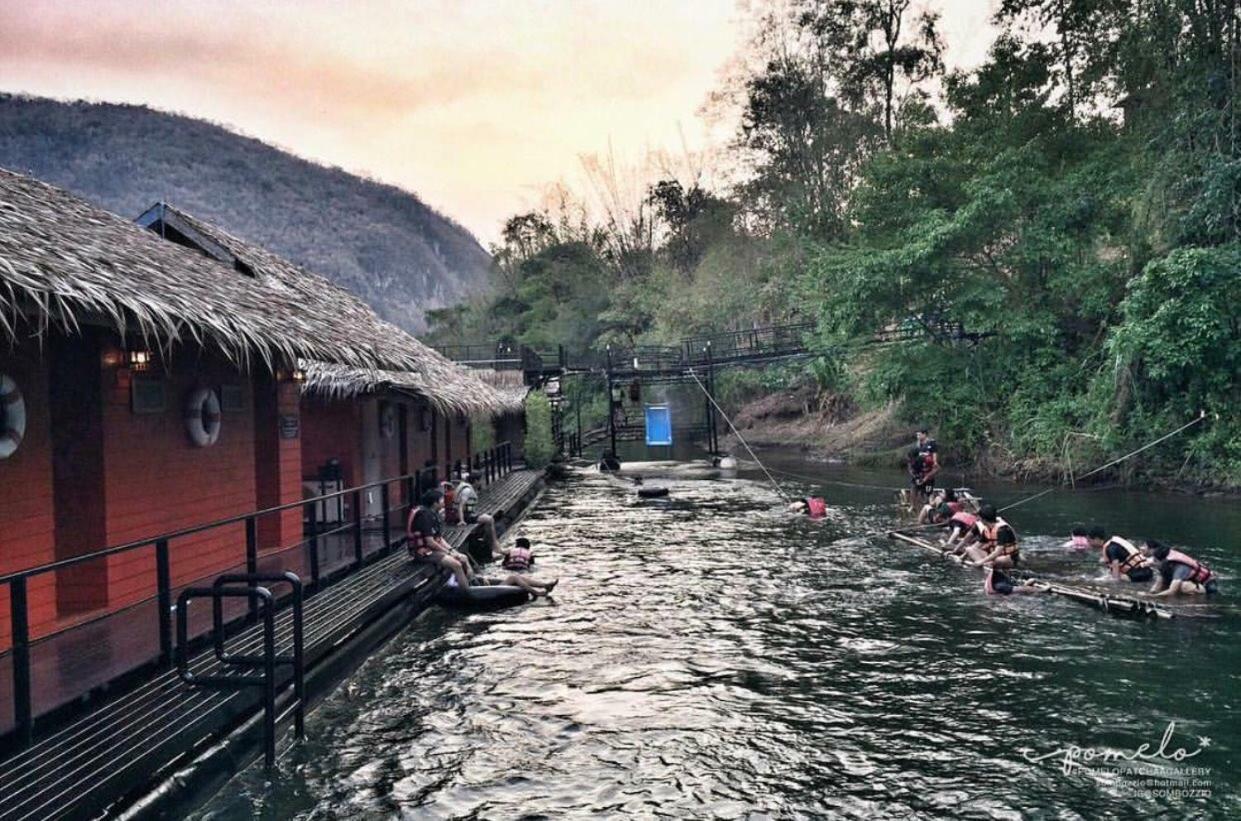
<point>12,416</point>
<point>387,421</point>
<point>202,417</point>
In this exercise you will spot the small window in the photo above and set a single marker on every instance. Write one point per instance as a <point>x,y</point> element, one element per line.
<point>232,399</point>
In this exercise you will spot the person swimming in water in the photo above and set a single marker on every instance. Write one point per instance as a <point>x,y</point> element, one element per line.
<point>999,583</point>
<point>1179,572</point>
<point>1077,539</point>
<point>813,506</point>
<point>519,557</point>
<point>1121,556</point>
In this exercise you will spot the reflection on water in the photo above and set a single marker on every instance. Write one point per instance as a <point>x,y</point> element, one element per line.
<point>709,655</point>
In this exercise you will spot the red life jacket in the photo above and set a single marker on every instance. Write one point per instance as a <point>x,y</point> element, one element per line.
<point>955,507</point>
<point>419,543</point>
<point>519,558</point>
<point>965,521</point>
<point>1201,573</point>
<point>450,505</point>
<point>816,507</point>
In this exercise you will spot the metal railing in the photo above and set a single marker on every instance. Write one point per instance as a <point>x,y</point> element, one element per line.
<point>492,464</point>
<point>48,671</point>
<point>247,586</point>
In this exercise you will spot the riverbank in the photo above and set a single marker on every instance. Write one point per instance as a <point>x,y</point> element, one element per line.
<point>832,428</point>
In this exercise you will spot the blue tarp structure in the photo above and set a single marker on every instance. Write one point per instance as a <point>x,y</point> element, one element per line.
<point>658,425</point>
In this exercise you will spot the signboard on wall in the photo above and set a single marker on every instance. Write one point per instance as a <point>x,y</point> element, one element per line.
<point>148,394</point>
<point>658,425</point>
<point>290,427</point>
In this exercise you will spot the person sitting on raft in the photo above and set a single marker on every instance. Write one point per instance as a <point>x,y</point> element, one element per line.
<point>960,525</point>
<point>813,506</point>
<point>425,531</point>
<point>1121,556</point>
<point>1179,572</point>
<point>931,513</point>
<point>466,498</point>
<point>519,557</point>
<point>996,541</point>
<point>1078,538</point>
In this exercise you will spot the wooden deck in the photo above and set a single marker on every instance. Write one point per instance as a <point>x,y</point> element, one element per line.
<point>118,747</point>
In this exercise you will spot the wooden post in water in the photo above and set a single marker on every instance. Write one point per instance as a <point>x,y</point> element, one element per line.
<point>611,409</point>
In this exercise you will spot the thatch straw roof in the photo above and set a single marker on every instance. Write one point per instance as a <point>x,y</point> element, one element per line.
<point>448,386</point>
<point>64,262</point>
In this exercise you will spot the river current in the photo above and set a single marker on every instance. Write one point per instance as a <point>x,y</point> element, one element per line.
<point>709,655</point>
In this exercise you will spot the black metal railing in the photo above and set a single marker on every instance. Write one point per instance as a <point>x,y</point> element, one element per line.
<point>249,586</point>
<point>48,665</point>
<point>502,356</point>
<point>491,465</point>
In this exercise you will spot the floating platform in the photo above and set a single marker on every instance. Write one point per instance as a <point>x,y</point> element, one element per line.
<point>1104,600</point>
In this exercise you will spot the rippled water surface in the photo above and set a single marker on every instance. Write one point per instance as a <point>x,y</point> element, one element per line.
<point>709,655</point>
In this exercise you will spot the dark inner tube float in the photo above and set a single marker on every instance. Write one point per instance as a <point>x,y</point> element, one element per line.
<point>482,596</point>
<point>652,492</point>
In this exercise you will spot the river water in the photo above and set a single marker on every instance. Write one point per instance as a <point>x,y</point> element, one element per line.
<point>711,656</point>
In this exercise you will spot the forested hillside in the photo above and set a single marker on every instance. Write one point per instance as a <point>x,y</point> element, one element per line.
<point>380,242</point>
<point>1076,198</point>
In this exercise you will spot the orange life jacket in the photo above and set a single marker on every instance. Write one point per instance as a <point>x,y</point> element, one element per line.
<point>1201,573</point>
<point>519,558</point>
<point>419,543</point>
<point>1133,556</point>
<point>816,507</point>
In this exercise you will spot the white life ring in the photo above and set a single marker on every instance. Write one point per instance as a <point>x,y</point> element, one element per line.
<point>202,417</point>
<point>12,416</point>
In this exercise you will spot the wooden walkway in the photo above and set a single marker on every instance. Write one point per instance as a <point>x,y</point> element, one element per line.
<point>112,752</point>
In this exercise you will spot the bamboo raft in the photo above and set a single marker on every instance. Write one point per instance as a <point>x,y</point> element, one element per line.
<point>1103,600</point>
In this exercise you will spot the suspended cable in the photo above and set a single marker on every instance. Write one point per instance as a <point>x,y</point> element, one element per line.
<point>1201,415</point>
<point>737,433</point>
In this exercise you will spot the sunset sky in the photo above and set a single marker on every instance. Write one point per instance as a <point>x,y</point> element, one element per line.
<point>476,106</point>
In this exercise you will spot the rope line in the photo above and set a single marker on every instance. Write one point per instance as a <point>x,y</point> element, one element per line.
<point>1201,415</point>
<point>737,433</point>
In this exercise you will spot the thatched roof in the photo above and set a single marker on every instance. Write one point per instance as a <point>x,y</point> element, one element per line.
<point>64,262</point>
<point>446,385</point>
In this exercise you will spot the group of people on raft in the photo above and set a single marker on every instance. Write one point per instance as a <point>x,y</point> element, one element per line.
<point>456,503</point>
<point>979,536</point>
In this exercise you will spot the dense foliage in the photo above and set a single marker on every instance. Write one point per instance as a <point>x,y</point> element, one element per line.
<point>1075,200</point>
<point>380,242</point>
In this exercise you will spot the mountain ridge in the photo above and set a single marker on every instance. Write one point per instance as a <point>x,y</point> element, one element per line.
<point>376,240</point>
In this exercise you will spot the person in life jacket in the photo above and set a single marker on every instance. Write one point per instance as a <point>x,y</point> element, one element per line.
<point>451,511</point>
<point>995,541</point>
<point>928,451</point>
<point>1179,572</point>
<point>518,557</point>
<point>1078,539</point>
<point>424,531</point>
<point>1121,556</point>
<point>960,525</point>
<point>813,506</point>
<point>466,499</point>
<point>933,511</point>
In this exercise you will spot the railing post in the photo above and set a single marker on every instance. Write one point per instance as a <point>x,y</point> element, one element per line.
<point>163,600</point>
<point>252,558</point>
<point>411,501</point>
<point>383,501</point>
<point>23,713</point>
<point>357,528</point>
<point>312,544</point>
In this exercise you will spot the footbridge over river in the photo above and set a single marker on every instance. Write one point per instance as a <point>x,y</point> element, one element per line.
<point>696,359</point>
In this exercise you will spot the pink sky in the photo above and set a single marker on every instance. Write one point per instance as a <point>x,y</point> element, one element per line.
<point>476,106</point>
